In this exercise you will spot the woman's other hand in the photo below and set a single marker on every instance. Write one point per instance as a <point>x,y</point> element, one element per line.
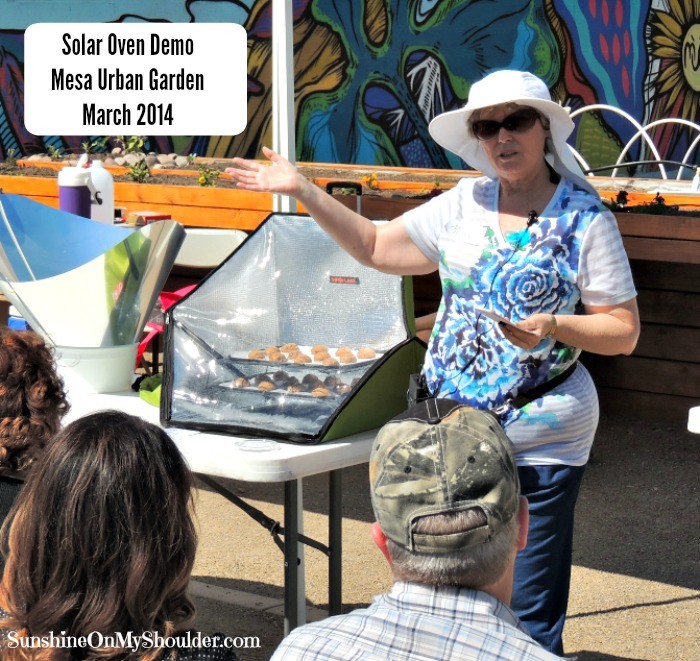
<point>527,334</point>
<point>606,330</point>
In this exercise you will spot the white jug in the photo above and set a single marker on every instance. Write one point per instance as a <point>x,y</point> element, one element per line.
<point>102,203</point>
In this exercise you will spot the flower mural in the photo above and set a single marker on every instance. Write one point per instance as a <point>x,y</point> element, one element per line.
<point>674,46</point>
<point>675,40</point>
<point>403,71</point>
<point>370,74</point>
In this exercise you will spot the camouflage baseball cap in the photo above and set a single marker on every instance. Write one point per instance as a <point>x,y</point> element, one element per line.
<point>442,457</point>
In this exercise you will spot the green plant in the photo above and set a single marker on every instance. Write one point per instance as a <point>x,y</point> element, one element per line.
<point>138,172</point>
<point>95,146</point>
<point>55,153</point>
<point>207,176</point>
<point>619,203</point>
<point>134,143</point>
<point>11,158</point>
<point>129,144</point>
<point>191,158</point>
<point>657,205</point>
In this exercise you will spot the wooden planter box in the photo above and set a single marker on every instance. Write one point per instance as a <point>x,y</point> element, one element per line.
<point>229,208</point>
<point>661,379</point>
<point>193,206</point>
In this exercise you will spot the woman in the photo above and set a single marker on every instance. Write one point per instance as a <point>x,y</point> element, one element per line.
<point>32,405</point>
<point>532,242</point>
<point>101,542</point>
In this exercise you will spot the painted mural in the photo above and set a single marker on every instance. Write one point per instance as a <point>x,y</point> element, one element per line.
<point>370,74</point>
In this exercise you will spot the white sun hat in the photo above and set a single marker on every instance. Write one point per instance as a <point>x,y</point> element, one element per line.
<point>451,129</point>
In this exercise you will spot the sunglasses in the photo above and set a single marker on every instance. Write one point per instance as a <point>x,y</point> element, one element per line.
<point>518,122</point>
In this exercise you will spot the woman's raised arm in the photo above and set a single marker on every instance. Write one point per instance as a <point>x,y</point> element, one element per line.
<point>386,247</point>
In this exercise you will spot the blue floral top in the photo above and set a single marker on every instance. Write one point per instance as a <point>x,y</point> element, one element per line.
<point>572,256</point>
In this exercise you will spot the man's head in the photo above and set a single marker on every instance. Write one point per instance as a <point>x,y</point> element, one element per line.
<point>446,494</point>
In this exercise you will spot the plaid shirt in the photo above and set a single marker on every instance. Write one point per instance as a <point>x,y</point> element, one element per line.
<point>417,622</point>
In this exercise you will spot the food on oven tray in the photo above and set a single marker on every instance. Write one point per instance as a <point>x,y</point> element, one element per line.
<point>318,354</point>
<point>281,381</point>
<point>320,392</point>
<point>300,370</point>
<point>290,346</point>
<point>311,381</point>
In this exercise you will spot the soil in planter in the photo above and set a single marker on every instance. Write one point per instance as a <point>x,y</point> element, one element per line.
<point>325,172</point>
<point>9,170</point>
<point>313,172</point>
<point>161,179</point>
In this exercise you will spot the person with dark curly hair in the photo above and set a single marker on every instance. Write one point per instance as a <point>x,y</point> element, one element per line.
<point>32,404</point>
<point>100,547</point>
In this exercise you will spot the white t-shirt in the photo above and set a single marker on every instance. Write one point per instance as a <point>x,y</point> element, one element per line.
<point>573,255</point>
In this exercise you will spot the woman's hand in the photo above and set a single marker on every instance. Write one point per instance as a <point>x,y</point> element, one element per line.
<point>389,249</point>
<point>606,330</point>
<point>534,329</point>
<point>279,176</point>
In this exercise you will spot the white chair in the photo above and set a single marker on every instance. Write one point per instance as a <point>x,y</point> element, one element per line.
<point>207,248</point>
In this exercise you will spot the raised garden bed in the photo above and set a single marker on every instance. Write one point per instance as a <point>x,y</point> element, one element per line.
<point>222,205</point>
<point>384,191</point>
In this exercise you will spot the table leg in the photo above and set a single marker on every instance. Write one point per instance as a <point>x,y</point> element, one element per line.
<point>335,542</point>
<point>291,538</point>
<point>301,556</point>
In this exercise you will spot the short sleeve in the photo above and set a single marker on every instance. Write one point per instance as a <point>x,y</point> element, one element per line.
<point>428,222</point>
<point>605,277</point>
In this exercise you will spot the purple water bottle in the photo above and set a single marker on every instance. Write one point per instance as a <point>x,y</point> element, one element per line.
<point>74,191</point>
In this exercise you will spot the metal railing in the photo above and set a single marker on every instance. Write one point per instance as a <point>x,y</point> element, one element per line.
<point>641,133</point>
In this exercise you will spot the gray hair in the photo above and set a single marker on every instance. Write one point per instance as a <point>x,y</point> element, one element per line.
<point>472,567</point>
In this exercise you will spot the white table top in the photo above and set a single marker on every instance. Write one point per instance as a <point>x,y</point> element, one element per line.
<point>220,455</point>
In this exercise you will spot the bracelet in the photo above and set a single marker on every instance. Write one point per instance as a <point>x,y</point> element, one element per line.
<point>552,329</point>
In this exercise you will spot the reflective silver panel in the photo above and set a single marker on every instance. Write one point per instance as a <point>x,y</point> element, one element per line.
<point>78,282</point>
